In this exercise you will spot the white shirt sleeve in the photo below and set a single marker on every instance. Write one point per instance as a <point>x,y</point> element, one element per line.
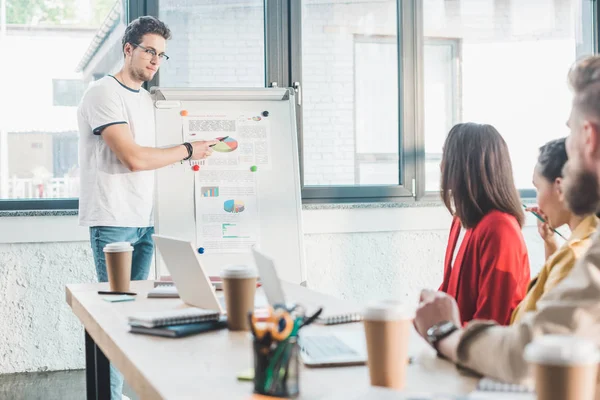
<point>103,107</point>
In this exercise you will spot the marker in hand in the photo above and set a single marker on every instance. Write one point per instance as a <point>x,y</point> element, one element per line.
<point>538,216</point>
<point>220,140</point>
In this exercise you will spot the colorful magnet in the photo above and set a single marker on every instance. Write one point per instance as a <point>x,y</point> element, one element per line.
<point>196,168</point>
<point>184,113</point>
<point>200,250</point>
<point>253,168</point>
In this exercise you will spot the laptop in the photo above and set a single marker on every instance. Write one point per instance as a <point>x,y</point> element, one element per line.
<point>316,349</point>
<point>190,278</point>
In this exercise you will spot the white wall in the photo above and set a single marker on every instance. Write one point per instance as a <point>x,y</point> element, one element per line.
<point>360,254</point>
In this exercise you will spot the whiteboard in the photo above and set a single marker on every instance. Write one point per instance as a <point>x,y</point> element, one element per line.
<point>278,188</point>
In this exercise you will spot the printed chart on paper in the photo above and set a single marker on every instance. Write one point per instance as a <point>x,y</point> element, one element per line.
<point>244,140</point>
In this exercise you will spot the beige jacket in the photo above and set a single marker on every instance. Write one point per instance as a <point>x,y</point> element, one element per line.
<point>571,307</point>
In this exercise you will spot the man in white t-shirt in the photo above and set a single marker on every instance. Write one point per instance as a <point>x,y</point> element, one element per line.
<point>118,158</point>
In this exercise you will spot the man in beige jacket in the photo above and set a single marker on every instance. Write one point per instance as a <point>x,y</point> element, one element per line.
<point>573,306</point>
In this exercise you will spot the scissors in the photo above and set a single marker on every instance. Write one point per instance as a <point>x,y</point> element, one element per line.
<point>278,325</point>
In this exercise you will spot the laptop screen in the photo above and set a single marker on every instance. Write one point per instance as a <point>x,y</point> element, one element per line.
<point>268,277</point>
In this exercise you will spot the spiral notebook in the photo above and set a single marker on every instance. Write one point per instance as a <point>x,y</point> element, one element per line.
<point>190,315</point>
<point>335,319</point>
<point>176,331</point>
<point>492,385</point>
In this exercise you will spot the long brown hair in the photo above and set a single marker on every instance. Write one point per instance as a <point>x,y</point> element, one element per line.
<point>477,174</point>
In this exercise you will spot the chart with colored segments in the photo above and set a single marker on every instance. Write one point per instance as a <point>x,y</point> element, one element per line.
<point>225,145</point>
<point>233,206</point>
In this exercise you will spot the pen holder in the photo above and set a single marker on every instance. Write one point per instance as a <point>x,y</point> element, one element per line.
<point>276,367</point>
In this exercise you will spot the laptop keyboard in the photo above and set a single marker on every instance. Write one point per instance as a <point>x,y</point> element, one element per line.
<point>325,347</point>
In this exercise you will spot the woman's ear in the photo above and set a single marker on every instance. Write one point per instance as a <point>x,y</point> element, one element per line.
<point>558,188</point>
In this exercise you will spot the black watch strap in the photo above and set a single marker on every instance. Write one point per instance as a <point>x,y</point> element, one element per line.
<point>190,150</point>
<point>440,331</point>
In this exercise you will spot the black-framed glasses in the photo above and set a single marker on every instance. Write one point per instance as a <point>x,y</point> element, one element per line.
<point>152,53</point>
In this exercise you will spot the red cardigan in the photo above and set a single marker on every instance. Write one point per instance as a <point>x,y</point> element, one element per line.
<point>491,271</point>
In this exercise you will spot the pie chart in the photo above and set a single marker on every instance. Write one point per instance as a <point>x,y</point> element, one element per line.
<point>233,206</point>
<point>226,144</point>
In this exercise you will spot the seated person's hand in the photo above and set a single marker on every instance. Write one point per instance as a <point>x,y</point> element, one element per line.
<point>435,307</point>
<point>544,228</point>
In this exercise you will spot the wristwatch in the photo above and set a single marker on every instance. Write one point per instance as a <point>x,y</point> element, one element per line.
<point>440,331</point>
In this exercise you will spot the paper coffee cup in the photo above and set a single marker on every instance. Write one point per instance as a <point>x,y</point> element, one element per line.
<point>239,287</point>
<point>565,367</point>
<point>387,330</point>
<point>118,258</point>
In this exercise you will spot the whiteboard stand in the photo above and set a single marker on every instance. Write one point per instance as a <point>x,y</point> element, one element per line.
<point>278,188</point>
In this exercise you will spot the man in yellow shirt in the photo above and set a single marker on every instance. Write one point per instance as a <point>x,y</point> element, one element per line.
<point>547,179</point>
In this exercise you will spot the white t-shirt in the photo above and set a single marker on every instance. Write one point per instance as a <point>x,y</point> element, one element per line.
<point>112,195</point>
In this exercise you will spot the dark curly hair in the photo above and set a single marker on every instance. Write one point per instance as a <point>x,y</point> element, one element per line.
<point>143,26</point>
<point>552,159</point>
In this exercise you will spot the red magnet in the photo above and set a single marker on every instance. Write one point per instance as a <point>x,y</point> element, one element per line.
<point>184,113</point>
<point>196,167</point>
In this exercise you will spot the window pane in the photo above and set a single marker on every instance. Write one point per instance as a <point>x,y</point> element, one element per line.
<point>503,63</point>
<point>350,123</point>
<point>66,42</point>
<point>216,43</point>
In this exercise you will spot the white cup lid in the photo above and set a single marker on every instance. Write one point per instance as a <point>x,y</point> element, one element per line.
<point>118,247</point>
<point>238,271</point>
<point>387,310</point>
<point>561,350</point>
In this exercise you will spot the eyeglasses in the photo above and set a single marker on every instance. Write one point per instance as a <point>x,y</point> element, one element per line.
<point>152,52</point>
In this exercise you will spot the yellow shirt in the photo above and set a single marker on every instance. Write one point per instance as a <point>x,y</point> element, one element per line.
<point>557,266</point>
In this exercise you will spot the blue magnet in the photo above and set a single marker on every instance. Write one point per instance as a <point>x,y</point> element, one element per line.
<point>201,250</point>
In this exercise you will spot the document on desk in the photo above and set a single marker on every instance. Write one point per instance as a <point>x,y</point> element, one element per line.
<point>227,214</point>
<point>244,140</point>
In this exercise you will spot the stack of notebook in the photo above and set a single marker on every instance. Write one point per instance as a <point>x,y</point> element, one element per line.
<point>176,323</point>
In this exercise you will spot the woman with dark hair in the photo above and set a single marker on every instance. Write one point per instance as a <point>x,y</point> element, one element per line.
<point>486,266</point>
<point>547,179</point>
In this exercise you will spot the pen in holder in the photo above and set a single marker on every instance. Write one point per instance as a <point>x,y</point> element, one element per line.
<point>275,349</point>
<point>276,368</point>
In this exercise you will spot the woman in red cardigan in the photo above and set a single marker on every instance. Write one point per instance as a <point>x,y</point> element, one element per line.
<point>486,267</point>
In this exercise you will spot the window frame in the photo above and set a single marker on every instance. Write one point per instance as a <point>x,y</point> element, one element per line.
<point>408,99</point>
<point>283,59</point>
<point>134,9</point>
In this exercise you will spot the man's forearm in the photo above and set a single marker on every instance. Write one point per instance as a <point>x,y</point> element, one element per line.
<point>150,158</point>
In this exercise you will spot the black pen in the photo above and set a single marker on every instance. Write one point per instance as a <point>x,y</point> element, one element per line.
<point>220,140</point>
<point>311,319</point>
<point>121,293</point>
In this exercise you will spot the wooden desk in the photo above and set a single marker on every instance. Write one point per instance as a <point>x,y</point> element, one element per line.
<point>205,366</point>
